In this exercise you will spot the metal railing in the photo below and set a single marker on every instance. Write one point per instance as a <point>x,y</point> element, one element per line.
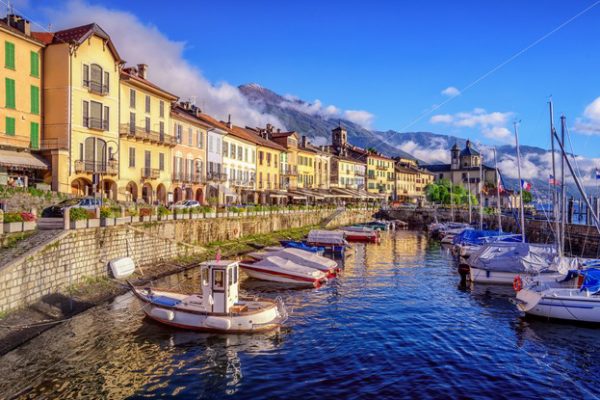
<point>288,170</point>
<point>150,173</point>
<point>97,87</point>
<point>110,167</point>
<point>216,176</point>
<point>140,132</point>
<point>96,123</point>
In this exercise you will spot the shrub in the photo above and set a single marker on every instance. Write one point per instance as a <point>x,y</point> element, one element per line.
<point>146,211</point>
<point>106,212</point>
<point>13,217</point>
<point>162,211</point>
<point>78,214</point>
<point>133,212</point>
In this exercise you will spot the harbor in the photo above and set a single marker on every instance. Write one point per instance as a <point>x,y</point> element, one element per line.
<point>421,334</point>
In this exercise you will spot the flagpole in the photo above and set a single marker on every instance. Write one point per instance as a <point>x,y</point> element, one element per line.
<point>498,192</point>
<point>520,183</point>
<point>563,193</point>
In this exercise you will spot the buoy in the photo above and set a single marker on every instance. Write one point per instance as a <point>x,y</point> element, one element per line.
<point>517,283</point>
<point>122,267</point>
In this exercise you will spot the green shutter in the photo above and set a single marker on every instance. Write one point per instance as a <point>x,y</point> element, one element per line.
<point>10,126</point>
<point>35,100</point>
<point>35,135</point>
<point>35,64</point>
<point>10,93</point>
<point>9,55</point>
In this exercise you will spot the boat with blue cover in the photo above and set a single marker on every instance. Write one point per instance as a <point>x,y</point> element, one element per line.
<point>297,244</point>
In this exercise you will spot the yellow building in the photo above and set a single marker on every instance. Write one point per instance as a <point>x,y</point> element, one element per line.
<point>410,181</point>
<point>306,165</point>
<point>20,116</point>
<point>81,99</point>
<point>189,155</point>
<point>239,163</point>
<point>267,164</point>
<point>347,173</point>
<point>380,174</point>
<point>288,165</point>
<point>145,148</point>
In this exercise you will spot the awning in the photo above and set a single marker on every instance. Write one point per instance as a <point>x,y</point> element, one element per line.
<point>296,196</point>
<point>340,193</point>
<point>310,193</point>
<point>21,159</point>
<point>279,195</point>
<point>227,192</point>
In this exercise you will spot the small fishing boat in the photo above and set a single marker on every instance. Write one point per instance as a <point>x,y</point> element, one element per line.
<point>361,234</point>
<point>296,244</point>
<point>301,257</point>
<point>575,298</point>
<point>332,241</point>
<point>219,308</point>
<point>277,269</point>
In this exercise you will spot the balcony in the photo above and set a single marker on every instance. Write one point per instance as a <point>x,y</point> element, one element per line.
<point>216,176</point>
<point>150,173</point>
<point>140,133</point>
<point>242,183</point>
<point>359,173</point>
<point>288,170</point>
<point>96,123</point>
<point>110,167</point>
<point>381,168</point>
<point>97,88</point>
<point>197,179</point>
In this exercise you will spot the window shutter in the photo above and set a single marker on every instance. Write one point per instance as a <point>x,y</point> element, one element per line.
<point>10,93</point>
<point>10,126</point>
<point>35,64</point>
<point>132,98</point>
<point>147,125</point>
<point>131,157</point>
<point>35,100</point>
<point>106,117</point>
<point>9,55</point>
<point>35,135</point>
<point>86,113</point>
<point>147,103</point>
<point>86,75</point>
<point>106,82</point>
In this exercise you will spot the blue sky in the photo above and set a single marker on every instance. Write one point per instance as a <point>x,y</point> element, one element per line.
<point>394,58</point>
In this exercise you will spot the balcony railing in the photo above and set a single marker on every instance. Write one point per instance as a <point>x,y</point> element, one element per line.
<point>197,179</point>
<point>242,183</point>
<point>139,132</point>
<point>288,170</point>
<point>97,87</point>
<point>216,176</point>
<point>150,173</point>
<point>96,123</point>
<point>110,167</point>
<point>381,168</point>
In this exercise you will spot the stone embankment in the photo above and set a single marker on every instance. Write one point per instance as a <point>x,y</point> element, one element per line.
<point>75,256</point>
<point>580,240</point>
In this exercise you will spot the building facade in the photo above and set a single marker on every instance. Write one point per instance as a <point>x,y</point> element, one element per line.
<point>306,165</point>
<point>146,145</point>
<point>239,163</point>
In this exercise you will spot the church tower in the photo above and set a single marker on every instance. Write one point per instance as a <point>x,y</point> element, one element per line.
<point>455,157</point>
<point>339,138</point>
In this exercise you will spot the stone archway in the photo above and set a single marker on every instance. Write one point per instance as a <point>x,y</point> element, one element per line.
<point>81,187</point>
<point>109,189</point>
<point>199,195</point>
<point>132,191</point>
<point>177,194</point>
<point>161,194</point>
<point>147,193</point>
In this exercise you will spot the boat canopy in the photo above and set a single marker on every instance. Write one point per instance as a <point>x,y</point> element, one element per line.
<point>591,280</point>
<point>305,258</point>
<point>275,263</point>
<point>480,237</point>
<point>515,257</point>
<point>328,237</point>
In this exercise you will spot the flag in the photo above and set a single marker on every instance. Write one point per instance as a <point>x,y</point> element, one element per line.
<point>525,185</point>
<point>597,173</point>
<point>553,181</point>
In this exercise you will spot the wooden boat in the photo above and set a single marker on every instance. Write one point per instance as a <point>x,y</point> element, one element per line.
<point>217,309</point>
<point>277,269</point>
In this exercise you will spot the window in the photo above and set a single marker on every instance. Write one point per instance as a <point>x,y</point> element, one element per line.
<point>246,155</point>
<point>162,109</point>
<point>162,129</point>
<point>218,279</point>
<point>199,139</point>
<point>34,135</point>
<point>106,118</point>
<point>10,126</point>
<point>240,153</point>
<point>131,157</point>
<point>190,136</point>
<point>106,82</point>
<point>95,83</point>
<point>95,119</point>
<point>85,113</point>
<point>179,133</point>
<point>10,93</point>
<point>86,75</point>
<point>161,161</point>
<point>147,124</point>
<point>260,158</point>
<point>147,103</point>
<point>268,159</point>
<point>132,122</point>
<point>35,100</point>
<point>131,98</point>
<point>35,64</point>
<point>9,55</point>
<point>225,149</point>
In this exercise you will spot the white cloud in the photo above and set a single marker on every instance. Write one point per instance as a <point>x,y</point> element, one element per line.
<point>140,42</point>
<point>589,123</point>
<point>451,91</point>
<point>436,152</point>
<point>360,117</point>
<point>492,125</point>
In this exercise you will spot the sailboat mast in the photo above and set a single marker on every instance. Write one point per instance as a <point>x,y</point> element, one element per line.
<point>563,193</point>
<point>554,196</point>
<point>498,192</point>
<point>520,183</point>
<point>481,194</point>
<point>469,187</point>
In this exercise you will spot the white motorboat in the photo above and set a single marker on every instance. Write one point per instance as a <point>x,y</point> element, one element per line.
<point>332,241</point>
<point>301,257</point>
<point>361,234</point>
<point>218,308</point>
<point>576,298</point>
<point>277,269</point>
<point>500,262</point>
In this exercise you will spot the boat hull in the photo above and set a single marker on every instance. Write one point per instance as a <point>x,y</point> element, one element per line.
<point>478,275</point>
<point>279,277</point>
<point>553,305</point>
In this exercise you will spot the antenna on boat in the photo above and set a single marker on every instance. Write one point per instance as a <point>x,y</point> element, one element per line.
<point>554,196</point>
<point>520,183</point>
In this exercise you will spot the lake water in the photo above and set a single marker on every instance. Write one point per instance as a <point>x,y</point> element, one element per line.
<point>396,324</point>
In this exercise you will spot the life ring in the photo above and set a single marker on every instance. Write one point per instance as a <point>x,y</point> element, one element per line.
<point>517,283</point>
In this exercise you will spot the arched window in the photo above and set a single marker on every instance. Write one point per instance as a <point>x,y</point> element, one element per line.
<point>95,155</point>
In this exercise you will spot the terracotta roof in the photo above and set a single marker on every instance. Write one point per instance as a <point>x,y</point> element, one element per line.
<point>44,37</point>
<point>127,73</point>
<point>260,140</point>
<point>213,122</point>
<point>185,114</point>
<point>17,32</point>
<point>282,134</point>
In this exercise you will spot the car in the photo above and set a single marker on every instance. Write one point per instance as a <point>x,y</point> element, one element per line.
<point>186,204</point>
<point>58,210</point>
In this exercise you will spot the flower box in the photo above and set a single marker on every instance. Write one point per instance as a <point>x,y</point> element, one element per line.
<point>146,218</point>
<point>210,215</point>
<point>81,224</point>
<point>221,215</point>
<point>134,218</point>
<point>107,221</point>
<point>93,223</point>
<point>29,225</point>
<point>122,220</point>
<point>11,227</point>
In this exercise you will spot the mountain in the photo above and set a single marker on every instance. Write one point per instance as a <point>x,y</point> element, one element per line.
<point>427,147</point>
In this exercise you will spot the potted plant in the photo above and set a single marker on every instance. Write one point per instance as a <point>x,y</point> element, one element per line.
<point>29,221</point>
<point>78,217</point>
<point>209,211</point>
<point>146,214</point>
<point>13,222</point>
<point>164,214</point>
<point>106,216</point>
<point>134,215</point>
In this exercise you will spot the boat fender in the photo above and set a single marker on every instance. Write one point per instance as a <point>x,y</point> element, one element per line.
<point>517,283</point>
<point>217,323</point>
<point>162,314</point>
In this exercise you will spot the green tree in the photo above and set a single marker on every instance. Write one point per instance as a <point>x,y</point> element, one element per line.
<point>527,197</point>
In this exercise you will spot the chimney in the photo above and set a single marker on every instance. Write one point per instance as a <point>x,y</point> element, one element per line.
<point>19,23</point>
<point>229,124</point>
<point>278,130</point>
<point>143,71</point>
<point>304,141</point>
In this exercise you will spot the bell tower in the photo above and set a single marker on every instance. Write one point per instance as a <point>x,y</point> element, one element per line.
<point>339,138</point>
<point>455,157</point>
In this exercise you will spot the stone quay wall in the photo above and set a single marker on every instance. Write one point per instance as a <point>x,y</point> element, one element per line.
<point>74,256</point>
<point>580,240</point>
